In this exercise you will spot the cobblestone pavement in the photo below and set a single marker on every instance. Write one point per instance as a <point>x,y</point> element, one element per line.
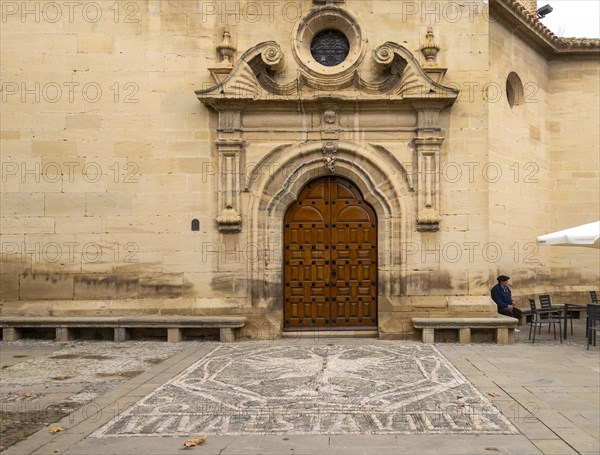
<point>43,381</point>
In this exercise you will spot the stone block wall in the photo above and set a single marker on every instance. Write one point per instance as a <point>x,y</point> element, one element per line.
<point>102,150</point>
<point>574,160</point>
<point>541,146</point>
<point>107,156</point>
<point>519,164</point>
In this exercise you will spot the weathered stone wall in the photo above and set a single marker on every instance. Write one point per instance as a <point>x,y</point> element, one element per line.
<point>446,273</point>
<point>574,161</point>
<point>519,164</point>
<point>543,185</point>
<point>103,148</point>
<point>107,156</point>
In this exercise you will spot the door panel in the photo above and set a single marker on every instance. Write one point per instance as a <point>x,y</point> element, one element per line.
<point>330,258</point>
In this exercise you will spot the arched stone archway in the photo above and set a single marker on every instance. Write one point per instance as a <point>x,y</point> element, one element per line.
<point>382,133</point>
<point>382,180</point>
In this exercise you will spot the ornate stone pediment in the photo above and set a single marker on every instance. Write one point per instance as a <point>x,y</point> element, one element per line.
<point>328,80</point>
<point>254,78</point>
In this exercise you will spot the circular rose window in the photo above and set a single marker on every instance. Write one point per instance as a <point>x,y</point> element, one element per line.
<point>328,42</point>
<point>330,47</point>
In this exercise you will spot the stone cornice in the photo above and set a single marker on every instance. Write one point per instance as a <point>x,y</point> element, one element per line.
<point>526,25</point>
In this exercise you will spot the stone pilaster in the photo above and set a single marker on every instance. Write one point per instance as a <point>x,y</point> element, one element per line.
<point>428,189</point>
<point>428,118</point>
<point>428,144</point>
<point>229,152</point>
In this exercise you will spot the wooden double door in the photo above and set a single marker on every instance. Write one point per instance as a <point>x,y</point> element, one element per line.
<point>330,258</point>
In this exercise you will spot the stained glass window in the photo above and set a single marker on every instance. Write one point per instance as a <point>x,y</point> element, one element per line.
<point>330,47</point>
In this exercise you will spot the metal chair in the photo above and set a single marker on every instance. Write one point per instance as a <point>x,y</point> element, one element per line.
<point>549,310</point>
<point>542,317</point>
<point>593,323</point>
<point>594,298</point>
<point>546,304</point>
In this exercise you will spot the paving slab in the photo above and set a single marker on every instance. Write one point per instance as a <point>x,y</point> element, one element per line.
<point>308,396</point>
<point>554,447</point>
<point>25,352</point>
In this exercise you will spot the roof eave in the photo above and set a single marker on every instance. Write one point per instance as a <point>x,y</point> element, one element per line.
<point>528,27</point>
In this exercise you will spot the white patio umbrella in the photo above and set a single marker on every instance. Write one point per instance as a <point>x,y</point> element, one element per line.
<point>587,235</point>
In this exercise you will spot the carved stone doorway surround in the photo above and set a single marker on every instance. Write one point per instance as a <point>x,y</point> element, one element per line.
<point>253,205</point>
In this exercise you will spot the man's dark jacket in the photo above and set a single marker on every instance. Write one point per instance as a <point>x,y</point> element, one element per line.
<point>502,296</point>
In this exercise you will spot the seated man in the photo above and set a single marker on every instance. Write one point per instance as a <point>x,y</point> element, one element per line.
<point>502,296</point>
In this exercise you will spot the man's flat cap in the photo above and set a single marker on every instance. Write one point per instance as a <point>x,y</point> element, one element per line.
<point>503,278</point>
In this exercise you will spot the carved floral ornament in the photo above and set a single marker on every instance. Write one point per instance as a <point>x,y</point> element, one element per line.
<point>254,80</point>
<point>330,156</point>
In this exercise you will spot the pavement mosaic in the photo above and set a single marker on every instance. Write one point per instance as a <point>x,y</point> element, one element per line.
<point>267,388</point>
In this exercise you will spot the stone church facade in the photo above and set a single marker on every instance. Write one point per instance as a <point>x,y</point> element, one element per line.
<point>313,165</point>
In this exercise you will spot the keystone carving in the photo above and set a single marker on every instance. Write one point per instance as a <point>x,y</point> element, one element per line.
<point>330,156</point>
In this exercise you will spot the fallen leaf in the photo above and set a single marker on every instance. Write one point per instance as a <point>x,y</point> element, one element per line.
<point>56,429</point>
<point>195,442</point>
<point>61,378</point>
<point>492,449</point>
<point>492,394</point>
<point>28,395</point>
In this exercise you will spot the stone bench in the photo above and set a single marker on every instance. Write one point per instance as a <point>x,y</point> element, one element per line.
<point>12,326</point>
<point>503,325</point>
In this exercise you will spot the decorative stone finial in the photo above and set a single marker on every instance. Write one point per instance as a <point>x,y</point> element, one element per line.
<point>430,49</point>
<point>226,50</point>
